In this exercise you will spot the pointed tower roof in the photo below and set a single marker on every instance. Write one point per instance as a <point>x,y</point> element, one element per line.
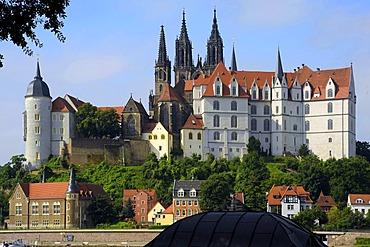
<point>72,186</point>
<point>233,60</point>
<point>215,34</point>
<point>184,31</point>
<point>279,68</point>
<point>38,87</point>
<point>162,51</point>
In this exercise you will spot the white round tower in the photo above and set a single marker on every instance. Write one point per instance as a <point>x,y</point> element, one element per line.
<point>37,121</point>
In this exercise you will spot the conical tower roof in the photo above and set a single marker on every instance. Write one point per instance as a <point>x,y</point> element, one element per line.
<point>279,68</point>
<point>184,31</point>
<point>162,51</point>
<point>72,186</point>
<point>38,87</point>
<point>233,60</point>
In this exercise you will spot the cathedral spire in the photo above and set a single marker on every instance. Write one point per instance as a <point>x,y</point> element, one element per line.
<point>215,33</point>
<point>233,60</point>
<point>279,68</point>
<point>184,31</point>
<point>162,51</point>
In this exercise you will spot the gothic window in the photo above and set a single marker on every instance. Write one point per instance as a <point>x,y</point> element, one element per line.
<point>216,121</point>
<point>266,125</point>
<point>234,136</point>
<point>266,110</point>
<point>218,90</point>
<point>216,136</point>
<point>233,90</point>
<point>216,105</point>
<point>234,106</point>
<point>330,107</point>
<point>254,94</point>
<point>330,124</point>
<point>306,94</point>
<point>330,93</point>
<point>254,124</point>
<point>307,125</point>
<point>199,136</point>
<point>253,109</point>
<point>190,136</point>
<point>131,125</point>
<point>266,95</point>
<point>234,121</point>
<point>306,109</point>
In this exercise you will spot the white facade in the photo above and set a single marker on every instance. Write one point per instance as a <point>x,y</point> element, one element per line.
<point>359,203</point>
<point>160,141</point>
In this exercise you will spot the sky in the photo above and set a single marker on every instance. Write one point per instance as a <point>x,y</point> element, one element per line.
<point>111,48</point>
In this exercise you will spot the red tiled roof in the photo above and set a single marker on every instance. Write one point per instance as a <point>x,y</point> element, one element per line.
<point>193,122</point>
<point>170,94</point>
<point>277,193</point>
<point>61,105</point>
<point>118,109</point>
<point>325,201</point>
<point>149,127</point>
<point>317,79</point>
<point>128,193</point>
<point>168,210</point>
<point>364,197</point>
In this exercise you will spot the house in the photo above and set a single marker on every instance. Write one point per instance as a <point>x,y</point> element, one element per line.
<point>142,202</point>
<point>325,203</point>
<point>165,218</point>
<point>288,200</point>
<point>185,198</point>
<point>57,205</point>
<point>159,138</point>
<point>359,203</point>
<point>237,202</point>
<point>155,212</point>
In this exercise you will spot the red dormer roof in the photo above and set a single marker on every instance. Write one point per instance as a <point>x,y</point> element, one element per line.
<point>277,193</point>
<point>194,122</point>
<point>325,201</point>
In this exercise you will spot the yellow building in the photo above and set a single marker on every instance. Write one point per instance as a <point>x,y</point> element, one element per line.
<point>155,212</point>
<point>160,140</point>
<point>165,218</point>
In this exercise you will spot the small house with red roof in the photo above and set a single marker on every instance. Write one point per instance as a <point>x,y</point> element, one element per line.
<point>325,203</point>
<point>55,205</point>
<point>359,203</point>
<point>142,202</point>
<point>288,200</point>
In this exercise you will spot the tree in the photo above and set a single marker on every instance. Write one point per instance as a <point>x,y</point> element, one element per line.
<point>128,210</point>
<point>20,18</point>
<point>363,149</point>
<point>215,192</point>
<point>87,120</point>
<point>108,123</point>
<point>303,150</point>
<point>254,145</point>
<point>251,178</point>
<point>311,218</point>
<point>101,210</point>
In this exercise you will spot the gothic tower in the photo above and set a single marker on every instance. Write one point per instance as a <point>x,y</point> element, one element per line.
<point>215,52</point>
<point>72,209</point>
<point>37,121</point>
<point>183,54</point>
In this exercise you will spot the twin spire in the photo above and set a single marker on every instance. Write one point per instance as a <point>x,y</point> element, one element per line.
<point>162,51</point>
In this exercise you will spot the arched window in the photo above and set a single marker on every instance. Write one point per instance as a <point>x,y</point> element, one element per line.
<point>266,110</point>
<point>218,90</point>
<point>234,106</point>
<point>233,90</point>
<point>155,137</point>
<point>295,127</point>
<point>160,88</point>
<point>190,136</point>
<point>330,124</point>
<point>199,136</point>
<point>266,139</point>
<point>234,121</point>
<point>216,105</point>
<point>131,125</point>
<point>253,109</point>
<point>234,136</point>
<point>330,107</point>
<point>254,124</point>
<point>216,121</point>
<point>216,136</point>
<point>306,94</point>
<point>163,137</point>
<point>330,93</point>
<point>330,139</point>
<point>307,125</point>
<point>306,109</point>
<point>266,125</point>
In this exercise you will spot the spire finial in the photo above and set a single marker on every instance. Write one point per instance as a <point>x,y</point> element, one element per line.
<point>38,73</point>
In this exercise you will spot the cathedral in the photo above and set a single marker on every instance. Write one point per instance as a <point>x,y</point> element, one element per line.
<point>210,109</point>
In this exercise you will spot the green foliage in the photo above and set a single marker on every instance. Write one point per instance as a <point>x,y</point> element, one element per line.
<point>363,149</point>
<point>303,150</point>
<point>279,175</point>
<point>128,210</point>
<point>93,122</point>
<point>254,145</point>
<point>118,225</point>
<point>20,19</point>
<point>364,242</point>
<point>215,192</point>
<point>344,219</point>
<point>251,178</point>
<point>101,210</point>
<point>311,218</point>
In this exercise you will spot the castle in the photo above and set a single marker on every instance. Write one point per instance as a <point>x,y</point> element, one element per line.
<point>212,109</point>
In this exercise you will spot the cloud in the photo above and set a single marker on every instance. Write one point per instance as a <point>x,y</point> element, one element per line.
<point>93,68</point>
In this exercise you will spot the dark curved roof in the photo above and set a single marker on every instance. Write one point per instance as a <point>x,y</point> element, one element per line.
<point>38,87</point>
<point>235,229</point>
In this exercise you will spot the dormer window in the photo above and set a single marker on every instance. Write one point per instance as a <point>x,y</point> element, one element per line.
<point>359,200</point>
<point>330,93</point>
<point>218,90</point>
<point>233,90</point>
<point>193,193</point>
<point>306,94</point>
<point>217,87</point>
<point>180,193</point>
